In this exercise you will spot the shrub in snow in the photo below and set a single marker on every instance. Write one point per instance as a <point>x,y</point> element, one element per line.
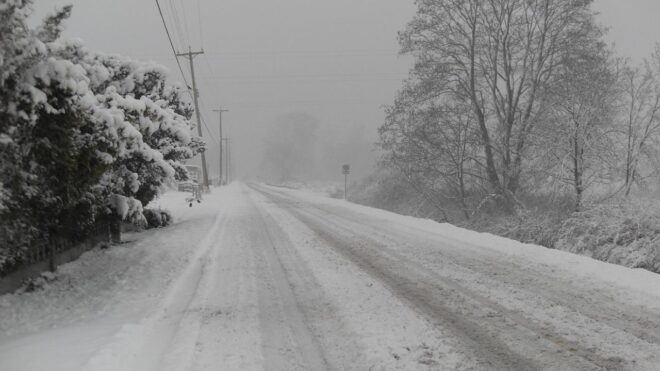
<point>391,190</point>
<point>38,283</point>
<point>157,218</point>
<point>528,227</point>
<point>83,136</point>
<point>626,234</point>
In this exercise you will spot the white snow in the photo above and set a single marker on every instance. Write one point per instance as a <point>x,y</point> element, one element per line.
<point>102,296</point>
<point>639,281</point>
<point>241,281</point>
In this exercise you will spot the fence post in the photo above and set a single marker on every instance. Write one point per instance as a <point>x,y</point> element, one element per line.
<point>51,255</point>
<point>115,231</point>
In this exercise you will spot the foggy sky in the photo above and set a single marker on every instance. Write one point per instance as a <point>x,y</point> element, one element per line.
<point>334,60</point>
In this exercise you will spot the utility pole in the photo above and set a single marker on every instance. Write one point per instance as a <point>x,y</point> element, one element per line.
<point>227,159</point>
<point>220,111</point>
<point>346,169</point>
<point>190,54</point>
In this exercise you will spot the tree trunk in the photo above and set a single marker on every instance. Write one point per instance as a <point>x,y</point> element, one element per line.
<point>577,172</point>
<point>461,183</point>
<point>115,230</point>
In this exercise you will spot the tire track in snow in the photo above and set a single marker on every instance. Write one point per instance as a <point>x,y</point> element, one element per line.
<point>188,303</point>
<point>250,316</point>
<point>620,315</point>
<point>143,346</point>
<point>631,330</point>
<point>280,313</point>
<point>360,324</point>
<point>418,290</point>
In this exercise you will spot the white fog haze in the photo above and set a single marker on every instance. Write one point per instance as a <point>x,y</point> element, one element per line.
<point>337,61</point>
<point>283,185</point>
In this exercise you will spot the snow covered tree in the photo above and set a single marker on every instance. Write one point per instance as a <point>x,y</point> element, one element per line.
<point>82,135</point>
<point>433,144</point>
<point>158,112</point>
<point>496,57</point>
<point>579,142</point>
<point>640,122</point>
<point>52,157</point>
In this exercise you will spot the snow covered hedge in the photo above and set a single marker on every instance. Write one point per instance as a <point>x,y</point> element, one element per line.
<point>621,233</point>
<point>83,136</point>
<point>624,232</point>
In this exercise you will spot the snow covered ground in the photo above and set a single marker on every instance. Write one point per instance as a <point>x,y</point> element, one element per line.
<point>259,277</point>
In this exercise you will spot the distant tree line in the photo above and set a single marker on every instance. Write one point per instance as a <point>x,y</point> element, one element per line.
<point>509,97</point>
<point>83,136</point>
<point>296,148</point>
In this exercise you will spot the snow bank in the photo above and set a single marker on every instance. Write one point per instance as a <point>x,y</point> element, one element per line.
<point>642,282</point>
<point>626,234</point>
<point>100,298</point>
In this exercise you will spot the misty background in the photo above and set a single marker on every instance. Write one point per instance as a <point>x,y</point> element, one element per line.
<point>304,81</point>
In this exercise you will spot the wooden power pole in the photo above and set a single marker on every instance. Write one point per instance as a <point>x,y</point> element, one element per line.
<point>227,159</point>
<point>220,111</point>
<point>190,54</point>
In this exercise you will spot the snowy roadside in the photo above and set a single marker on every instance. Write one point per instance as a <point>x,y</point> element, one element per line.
<point>639,283</point>
<point>321,188</point>
<point>93,297</point>
<point>538,308</point>
<point>268,278</point>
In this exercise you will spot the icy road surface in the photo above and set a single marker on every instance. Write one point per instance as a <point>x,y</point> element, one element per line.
<point>259,277</point>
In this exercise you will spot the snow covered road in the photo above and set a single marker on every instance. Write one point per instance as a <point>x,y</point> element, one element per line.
<point>260,277</point>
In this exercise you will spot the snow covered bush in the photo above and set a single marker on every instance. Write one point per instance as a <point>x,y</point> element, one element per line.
<point>83,136</point>
<point>159,115</point>
<point>391,190</point>
<point>626,233</point>
<point>157,218</point>
<point>52,156</point>
<point>528,227</point>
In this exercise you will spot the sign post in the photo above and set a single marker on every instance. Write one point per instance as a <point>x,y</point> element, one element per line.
<point>346,169</point>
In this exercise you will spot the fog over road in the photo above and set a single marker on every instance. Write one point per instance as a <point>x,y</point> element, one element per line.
<point>279,279</point>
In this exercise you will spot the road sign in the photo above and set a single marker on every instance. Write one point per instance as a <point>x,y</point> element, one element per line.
<point>346,169</point>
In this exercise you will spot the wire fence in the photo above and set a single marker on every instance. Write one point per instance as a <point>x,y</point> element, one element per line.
<point>48,251</point>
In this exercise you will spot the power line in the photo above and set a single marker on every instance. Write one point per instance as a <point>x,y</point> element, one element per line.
<point>299,53</point>
<point>208,129</point>
<point>194,95</point>
<point>172,45</point>
<point>190,54</point>
<point>201,103</point>
<point>211,73</point>
<point>172,22</point>
<point>312,52</point>
<point>279,104</point>
<point>311,75</point>
<point>199,23</point>
<point>185,22</point>
<point>177,21</point>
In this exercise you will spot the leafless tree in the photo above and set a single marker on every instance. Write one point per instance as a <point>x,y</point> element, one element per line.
<point>497,57</point>
<point>432,141</point>
<point>582,108</point>
<point>641,124</point>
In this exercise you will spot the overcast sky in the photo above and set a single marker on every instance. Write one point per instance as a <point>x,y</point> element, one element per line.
<point>334,59</point>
